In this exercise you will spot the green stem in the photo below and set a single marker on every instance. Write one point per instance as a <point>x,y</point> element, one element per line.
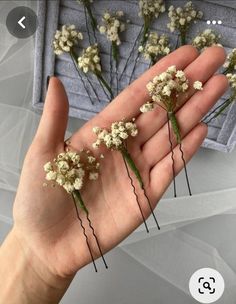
<point>228,70</point>
<point>145,31</point>
<point>175,126</point>
<point>221,110</point>
<point>132,166</point>
<point>115,51</point>
<point>105,84</point>
<point>92,18</point>
<point>80,201</point>
<point>153,60</point>
<point>183,38</point>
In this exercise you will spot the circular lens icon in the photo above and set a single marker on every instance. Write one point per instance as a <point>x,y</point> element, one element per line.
<point>206,285</point>
<point>22,22</point>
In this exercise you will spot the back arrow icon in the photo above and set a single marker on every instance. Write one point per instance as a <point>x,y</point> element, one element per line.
<point>20,22</point>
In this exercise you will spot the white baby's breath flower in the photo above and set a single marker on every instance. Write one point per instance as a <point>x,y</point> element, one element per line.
<point>91,159</point>
<point>230,63</point>
<point>78,183</point>
<point>155,47</point>
<point>151,8</point>
<point>90,60</point>
<point>61,179</point>
<point>119,132</point>
<point>206,39</point>
<point>147,107</point>
<point>232,81</point>
<point>165,88</point>
<point>65,39</point>
<point>182,17</point>
<point>51,176</point>
<point>112,26</point>
<point>68,187</point>
<point>48,167</point>
<point>198,85</point>
<point>69,169</point>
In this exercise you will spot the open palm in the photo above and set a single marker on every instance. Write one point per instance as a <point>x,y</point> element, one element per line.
<point>45,218</point>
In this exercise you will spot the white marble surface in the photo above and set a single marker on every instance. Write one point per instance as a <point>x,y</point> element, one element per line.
<point>196,232</point>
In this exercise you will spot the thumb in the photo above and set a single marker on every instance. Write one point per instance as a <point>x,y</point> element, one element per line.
<point>53,123</point>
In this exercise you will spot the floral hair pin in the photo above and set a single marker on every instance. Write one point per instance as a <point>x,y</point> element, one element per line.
<point>71,170</point>
<point>206,39</point>
<point>66,41</point>
<point>181,18</point>
<point>164,91</point>
<point>90,62</point>
<point>223,106</point>
<point>112,26</point>
<point>89,16</point>
<point>115,139</point>
<point>230,72</point>
<point>155,47</point>
<point>149,10</point>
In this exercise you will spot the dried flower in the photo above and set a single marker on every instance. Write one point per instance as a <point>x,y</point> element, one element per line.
<point>197,85</point>
<point>147,107</point>
<point>149,9</point>
<point>90,60</point>
<point>115,138</point>
<point>223,106</point>
<point>112,26</point>
<point>181,19</point>
<point>232,81</point>
<point>230,63</point>
<point>164,90</point>
<point>206,39</point>
<point>69,170</point>
<point>155,47</point>
<point>66,39</point>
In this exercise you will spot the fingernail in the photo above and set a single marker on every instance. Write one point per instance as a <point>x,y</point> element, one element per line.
<point>48,80</point>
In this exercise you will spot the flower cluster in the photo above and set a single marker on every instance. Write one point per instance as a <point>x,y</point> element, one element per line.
<point>66,39</point>
<point>69,169</point>
<point>206,39</point>
<point>182,17</point>
<point>90,60</point>
<point>155,46</point>
<point>151,8</point>
<point>197,85</point>
<point>165,88</point>
<point>232,81</point>
<point>112,26</point>
<point>230,63</point>
<point>114,139</point>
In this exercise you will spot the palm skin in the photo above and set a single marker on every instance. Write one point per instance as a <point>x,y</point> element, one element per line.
<point>45,220</point>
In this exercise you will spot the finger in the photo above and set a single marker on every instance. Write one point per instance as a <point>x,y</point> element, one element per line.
<point>161,175</point>
<point>200,69</point>
<point>127,103</point>
<point>54,119</point>
<point>188,117</point>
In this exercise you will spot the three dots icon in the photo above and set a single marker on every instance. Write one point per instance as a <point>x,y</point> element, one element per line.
<point>214,22</point>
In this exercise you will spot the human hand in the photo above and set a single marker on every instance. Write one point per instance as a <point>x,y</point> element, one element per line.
<point>45,221</point>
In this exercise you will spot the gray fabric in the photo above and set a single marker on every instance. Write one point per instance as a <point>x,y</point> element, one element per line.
<point>52,14</point>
